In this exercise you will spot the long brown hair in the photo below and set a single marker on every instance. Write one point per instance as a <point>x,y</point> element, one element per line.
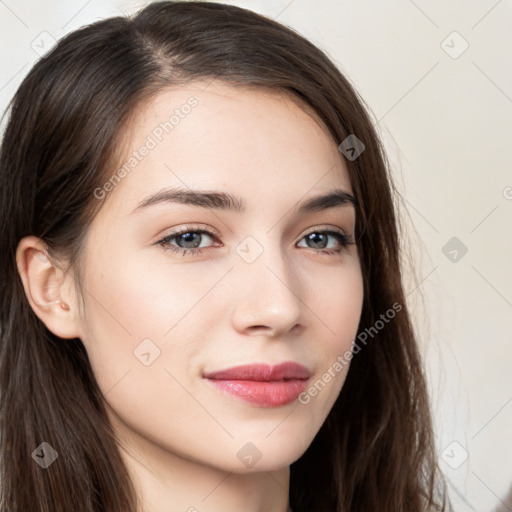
<point>375,451</point>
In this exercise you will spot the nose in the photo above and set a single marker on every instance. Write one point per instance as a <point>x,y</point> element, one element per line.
<point>267,297</point>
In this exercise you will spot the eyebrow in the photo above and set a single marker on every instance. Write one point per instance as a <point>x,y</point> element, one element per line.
<point>228,202</point>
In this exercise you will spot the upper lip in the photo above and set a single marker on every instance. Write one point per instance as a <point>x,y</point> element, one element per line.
<point>261,372</point>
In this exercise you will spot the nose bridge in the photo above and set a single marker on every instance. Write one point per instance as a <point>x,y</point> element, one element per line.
<point>268,294</point>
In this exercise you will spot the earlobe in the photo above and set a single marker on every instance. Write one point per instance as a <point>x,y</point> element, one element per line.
<point>46,288</point>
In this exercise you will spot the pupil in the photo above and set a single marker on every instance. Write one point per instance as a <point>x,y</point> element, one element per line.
<point>188,236</point>
<point>314,235</point>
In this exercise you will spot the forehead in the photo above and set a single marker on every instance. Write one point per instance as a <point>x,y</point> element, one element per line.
<point>214,135</point>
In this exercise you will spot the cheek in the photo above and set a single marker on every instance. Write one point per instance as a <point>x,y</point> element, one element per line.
<point>140,334</point>
<point>340,307</point>
<point>145,300</point>
<point>340,312</point>
<point>134,309</point>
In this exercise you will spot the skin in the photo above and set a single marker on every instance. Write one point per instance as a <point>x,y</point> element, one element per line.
<point>178,434</point>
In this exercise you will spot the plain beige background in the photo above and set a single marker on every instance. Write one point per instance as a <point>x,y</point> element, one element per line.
<point>438,80</point>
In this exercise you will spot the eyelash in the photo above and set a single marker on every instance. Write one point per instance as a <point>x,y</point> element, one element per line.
<point>164,242</point>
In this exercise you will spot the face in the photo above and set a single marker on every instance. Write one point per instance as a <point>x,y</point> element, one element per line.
<point>179,288</point>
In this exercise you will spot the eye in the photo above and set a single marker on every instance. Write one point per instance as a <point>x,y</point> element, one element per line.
<point>320,239</point>
<point>188,239</point>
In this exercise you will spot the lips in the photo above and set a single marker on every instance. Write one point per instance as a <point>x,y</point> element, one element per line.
<point>262,384</point>
<point>262,372</point>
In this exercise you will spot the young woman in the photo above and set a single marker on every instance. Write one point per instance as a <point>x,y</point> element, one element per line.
<point>202,304</point>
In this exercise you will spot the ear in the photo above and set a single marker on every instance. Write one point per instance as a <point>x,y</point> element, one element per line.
<point>50,292</point>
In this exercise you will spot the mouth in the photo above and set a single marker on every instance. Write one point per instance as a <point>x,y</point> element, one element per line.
<point>262,384</point>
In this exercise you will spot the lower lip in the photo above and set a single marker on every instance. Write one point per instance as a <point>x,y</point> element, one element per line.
<point>267,394</point>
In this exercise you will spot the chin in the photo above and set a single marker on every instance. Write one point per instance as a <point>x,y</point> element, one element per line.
<point>256,454</point>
